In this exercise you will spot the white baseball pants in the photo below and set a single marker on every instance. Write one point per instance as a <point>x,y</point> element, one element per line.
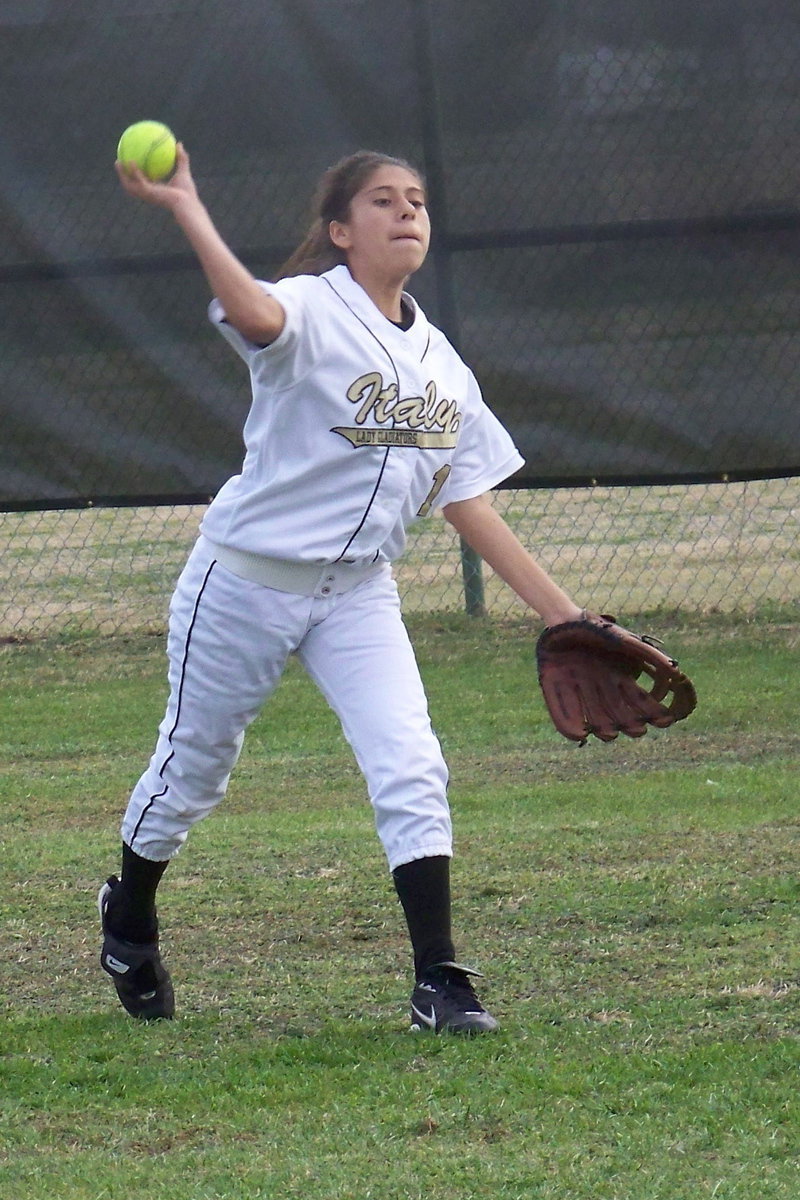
<point>229,640</point>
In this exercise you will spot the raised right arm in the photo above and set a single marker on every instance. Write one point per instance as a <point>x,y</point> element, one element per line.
<point>257,316</point>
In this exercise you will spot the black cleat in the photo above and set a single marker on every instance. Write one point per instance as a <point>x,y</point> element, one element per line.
<point>141,979</point>
<point>444,999</point>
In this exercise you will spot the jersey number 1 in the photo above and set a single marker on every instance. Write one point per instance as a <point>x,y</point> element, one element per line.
<point>439,480</point>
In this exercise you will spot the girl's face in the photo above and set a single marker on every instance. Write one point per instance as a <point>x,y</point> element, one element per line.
<point>387,231</point>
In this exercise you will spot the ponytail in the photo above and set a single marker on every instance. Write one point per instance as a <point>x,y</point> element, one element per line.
<point>315,254</point>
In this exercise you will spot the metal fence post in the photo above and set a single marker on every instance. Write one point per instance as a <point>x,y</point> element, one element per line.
<point>472,572</point>
<point>471,563</point>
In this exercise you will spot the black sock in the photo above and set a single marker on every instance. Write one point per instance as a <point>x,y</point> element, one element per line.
<point>131,910</point>
<point>424,890</point>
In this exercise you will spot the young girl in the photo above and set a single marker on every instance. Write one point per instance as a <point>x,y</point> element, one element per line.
<point>363,418</point>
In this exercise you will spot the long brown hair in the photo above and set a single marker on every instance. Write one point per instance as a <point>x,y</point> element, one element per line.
<point>335,191</point>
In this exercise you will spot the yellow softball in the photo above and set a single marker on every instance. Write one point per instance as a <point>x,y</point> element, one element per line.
<point>151,146</point>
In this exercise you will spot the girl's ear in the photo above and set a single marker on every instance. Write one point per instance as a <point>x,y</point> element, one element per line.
<point>339,235</point>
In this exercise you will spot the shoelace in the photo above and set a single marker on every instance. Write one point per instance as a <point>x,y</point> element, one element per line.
<point>456,981</point>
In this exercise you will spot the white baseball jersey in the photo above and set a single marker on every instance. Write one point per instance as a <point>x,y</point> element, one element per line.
<point>356,428</point>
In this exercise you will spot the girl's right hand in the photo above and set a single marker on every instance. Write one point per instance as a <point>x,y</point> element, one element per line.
<point>169,194</point>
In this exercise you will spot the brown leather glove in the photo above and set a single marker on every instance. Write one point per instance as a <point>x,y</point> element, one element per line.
<point>588,672</point>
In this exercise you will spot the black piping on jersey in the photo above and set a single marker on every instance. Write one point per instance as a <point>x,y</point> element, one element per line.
<point>374,335</point>
<point>171,734</point>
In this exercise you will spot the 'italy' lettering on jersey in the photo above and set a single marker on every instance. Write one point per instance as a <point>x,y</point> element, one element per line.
<point>428,422</point>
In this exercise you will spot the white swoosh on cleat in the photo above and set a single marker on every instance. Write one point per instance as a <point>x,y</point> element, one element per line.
<point>120,967</point>
<point>425,1018</point>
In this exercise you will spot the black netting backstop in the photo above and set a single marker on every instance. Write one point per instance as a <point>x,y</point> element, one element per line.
<point>613,187</point>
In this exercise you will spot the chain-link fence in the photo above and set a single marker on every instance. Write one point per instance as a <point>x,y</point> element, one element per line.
<point>710,547</point>
<point>614,197</point>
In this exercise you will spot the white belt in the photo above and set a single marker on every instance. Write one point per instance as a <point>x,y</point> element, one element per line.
<point>304,579</point>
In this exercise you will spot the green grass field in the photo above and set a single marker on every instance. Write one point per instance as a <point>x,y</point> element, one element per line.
<point>634,907</point>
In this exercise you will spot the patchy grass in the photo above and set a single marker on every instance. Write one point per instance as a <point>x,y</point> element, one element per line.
<point>634,906</point>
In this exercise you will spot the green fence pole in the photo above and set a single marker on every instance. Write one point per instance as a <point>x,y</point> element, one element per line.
<point>430,109</point>
<point>472,572</point>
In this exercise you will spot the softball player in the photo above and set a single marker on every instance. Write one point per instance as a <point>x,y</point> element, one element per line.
<point>363,418</point>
